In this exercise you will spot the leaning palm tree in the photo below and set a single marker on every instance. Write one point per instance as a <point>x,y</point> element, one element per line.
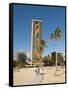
<point>41,47</point>
<point>56,35</point>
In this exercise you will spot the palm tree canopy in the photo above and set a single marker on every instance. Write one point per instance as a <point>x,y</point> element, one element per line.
<point>42,45</point>
<point>56,35</point>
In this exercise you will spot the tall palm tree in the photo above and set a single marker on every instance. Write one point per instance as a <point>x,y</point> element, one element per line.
<point>56,35</point>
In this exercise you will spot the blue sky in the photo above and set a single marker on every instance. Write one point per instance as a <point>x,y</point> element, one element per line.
<point>52,17</point>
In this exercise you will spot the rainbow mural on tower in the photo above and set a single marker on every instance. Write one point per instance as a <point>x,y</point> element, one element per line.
<point>35,39</point>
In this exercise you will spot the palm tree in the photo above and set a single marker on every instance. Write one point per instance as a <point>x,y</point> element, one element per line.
<point>41,47</point>
<point>56,35</point>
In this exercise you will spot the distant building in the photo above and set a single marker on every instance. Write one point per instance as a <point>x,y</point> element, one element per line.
<point>53,57</point>
<point>46,60</point>
<point>60,58</point>
<point>20,56</point>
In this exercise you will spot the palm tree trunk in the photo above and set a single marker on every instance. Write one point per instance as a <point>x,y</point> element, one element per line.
<point>56,61</point>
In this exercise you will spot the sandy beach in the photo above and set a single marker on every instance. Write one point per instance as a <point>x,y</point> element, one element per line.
<point>27,76</point>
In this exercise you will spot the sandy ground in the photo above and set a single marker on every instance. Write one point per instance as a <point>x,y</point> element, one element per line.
<point>27,76</point>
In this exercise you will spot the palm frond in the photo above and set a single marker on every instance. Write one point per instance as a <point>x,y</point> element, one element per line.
<point>51,36</point>
<point>57,33</point>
